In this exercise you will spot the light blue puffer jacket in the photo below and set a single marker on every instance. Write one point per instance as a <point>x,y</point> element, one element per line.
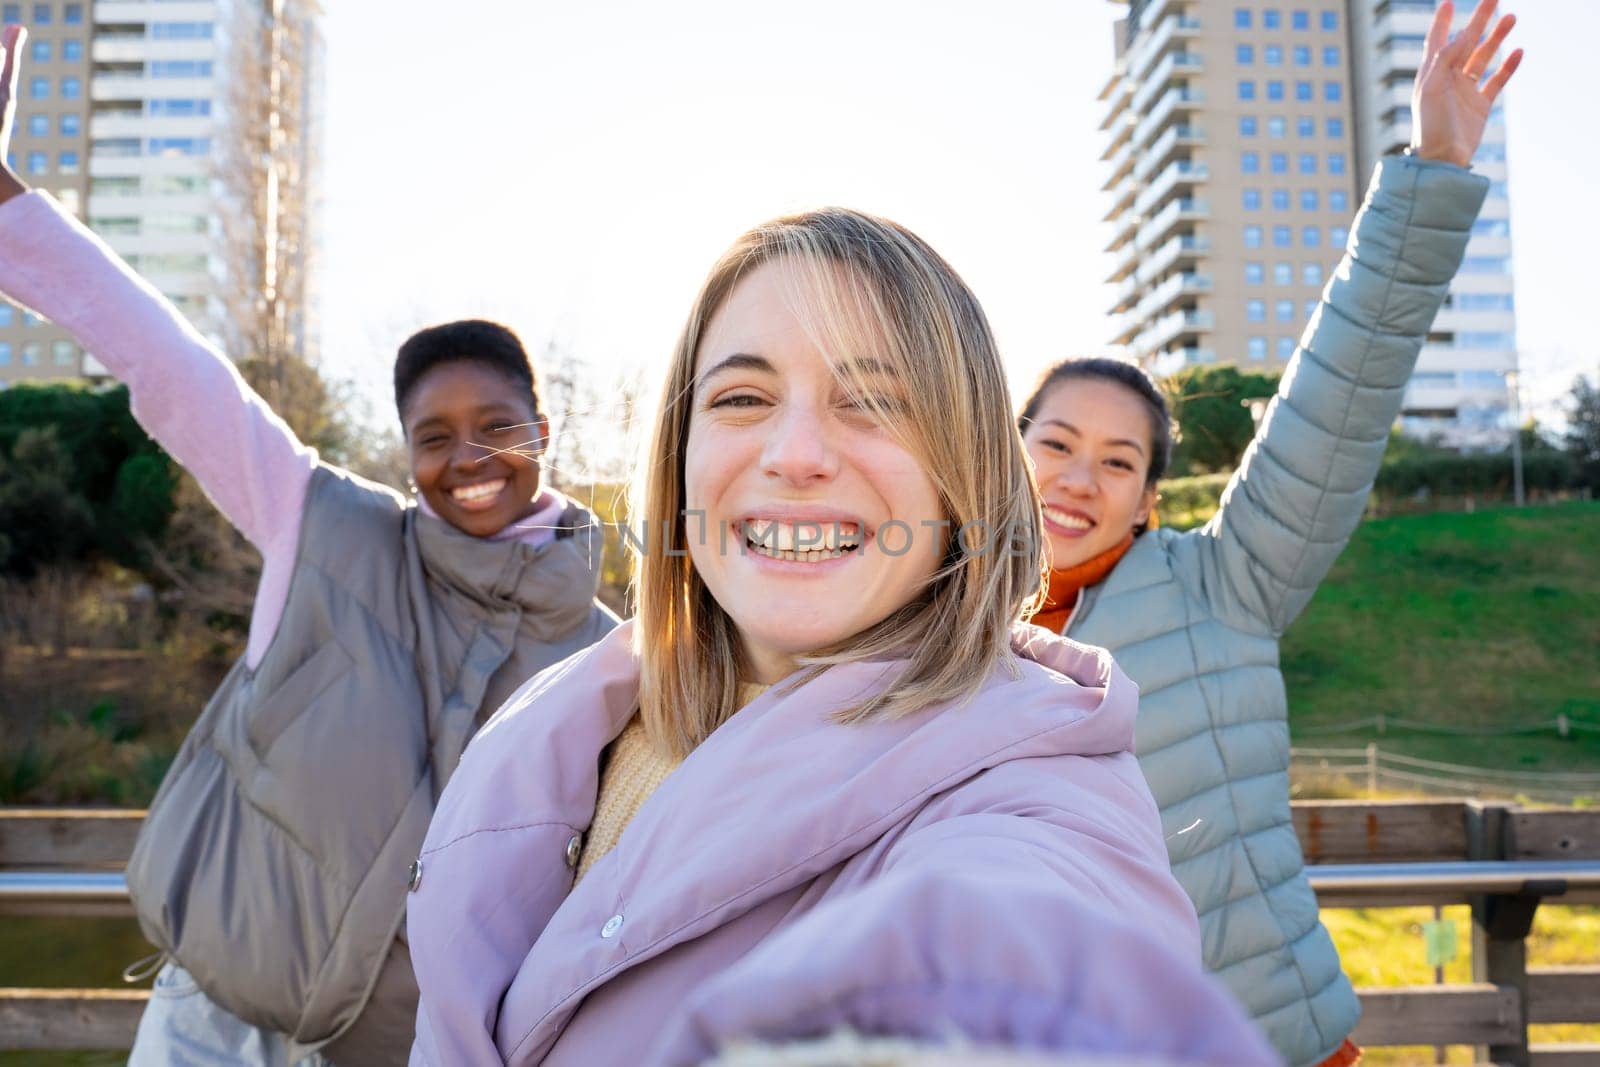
<point>1195,617</point>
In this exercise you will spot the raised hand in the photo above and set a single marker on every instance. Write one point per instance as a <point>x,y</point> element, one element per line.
<point>11,41</point>
<point>1451,100</point>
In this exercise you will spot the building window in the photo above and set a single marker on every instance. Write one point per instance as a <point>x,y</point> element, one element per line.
<point>1483,379</point>
<point>38,162</point>
<point>32,351</point>
<point>38,125</point>
<point>30,319</point>
<point>41,51</point>
<point>1311,274</point>
<point>5,353</point>
<point>71,88</point>
<point>1308,162</point>
<point>1311,237</point>
<point>1285,347</point>
<point>1257,347</point>
<point>1280,200</point>
<point>1305,126</point>
<point>5,313</point>
<point>1250,163</point>
<point>71,124</point>
<point>72,50</point>
<point>1330,20</point>
<point>72,14</point>
<point>1490,153</point>
<point>1272,55</point>
<point>1283,274</point>
<point>1283,310</point>
<point>1330,55</point>
<point>41,14</point>
<point>1252,199</point>
<point>1241,18</point>
<point>180,31</point>
<point>39,88</point>
<point>11,13</point>
<point>1303,91</point>
<point>1335,162</point>
<point>1277,127</point>
<point>1301,20</point>
<point>1252,236</point>
<point>1271,19</point>
<point>1464,301</point>
<point>1338,200</point>
<point>1486,340</point>
<point>1332,92</point>
<point>180,68</point>
<point>1253,272</point>
<point>1310,200</point>
<point>65,353</point>
<point>1338,236</point>
<point>1280,163</point>
<point>1247,125</point>
<point>1282,237</point>
<point>1302,55</point>
<point>67,163</point>
<point>178,146</point>
<point>1335,129</point>
<point>180,108</point>
<point>1311,309</point>
<point>1274,90</point>
<point>1255,310</point>
<point>1247,90</point>
<point>1244,55</point>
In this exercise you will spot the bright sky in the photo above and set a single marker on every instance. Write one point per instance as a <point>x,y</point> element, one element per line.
<point>573,169</point>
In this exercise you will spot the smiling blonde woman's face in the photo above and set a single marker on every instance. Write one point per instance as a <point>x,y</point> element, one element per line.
<point>818,523</point>
<point>1090,446</point>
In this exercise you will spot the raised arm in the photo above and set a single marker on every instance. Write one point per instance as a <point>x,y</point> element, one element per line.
<point>186,395</point>
<point>1301,488</point>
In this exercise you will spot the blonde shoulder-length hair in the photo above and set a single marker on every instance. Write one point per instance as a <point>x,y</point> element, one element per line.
<point>866,287</point>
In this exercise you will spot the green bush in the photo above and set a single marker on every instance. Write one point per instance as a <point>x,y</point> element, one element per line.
<point>1486,474</point>
<point>1189,502</point>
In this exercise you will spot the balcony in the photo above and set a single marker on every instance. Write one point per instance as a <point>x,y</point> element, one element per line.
<point>1179,100</point>
<point>1125,328</point>
<point>1175,213</point>
<point>128,87</point>
<point>1170,328</point>
<point>112,125</point>
<point>1120,131</point>
<point>1176,64</point>
<point>1121,164</point>
<point>1123,261</point>
<point>1176,137</point>
<point>1172,360</point>
<point>122,12</point>
<point>1174,288</point>
<point>1122,200</point>
<point>1123,230</point>
<point>1183,172</point>
<point>1182,247</point>
<point>1119,98</point>
<point>1146,52</point>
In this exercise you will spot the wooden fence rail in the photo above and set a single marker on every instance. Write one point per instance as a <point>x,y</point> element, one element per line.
<point>1502,860</point>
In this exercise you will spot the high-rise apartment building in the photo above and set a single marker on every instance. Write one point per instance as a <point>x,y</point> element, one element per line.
<point>1460,391</point>
<point>125,116</point>
<point>1241,135</point>
<point>1232,175</point>
<point>49,149</point>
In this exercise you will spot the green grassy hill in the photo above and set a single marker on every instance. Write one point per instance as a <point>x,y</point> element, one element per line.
<point>1480,620</point>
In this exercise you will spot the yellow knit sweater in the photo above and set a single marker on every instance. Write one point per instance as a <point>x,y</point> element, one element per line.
<point>634,768</point>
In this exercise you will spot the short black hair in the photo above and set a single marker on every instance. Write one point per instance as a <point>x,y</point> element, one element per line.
<point>1162,430</point>
<point>477,340</point>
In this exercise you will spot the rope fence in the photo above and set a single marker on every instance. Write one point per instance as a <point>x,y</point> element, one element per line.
<point>1561,725</point>
<point>1387,771</point>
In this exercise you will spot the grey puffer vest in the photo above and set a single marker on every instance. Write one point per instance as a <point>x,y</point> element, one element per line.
<point>273,863</point>
<point>1194,618</point>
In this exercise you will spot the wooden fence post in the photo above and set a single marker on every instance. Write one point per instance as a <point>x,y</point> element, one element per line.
<point>1499,926</point>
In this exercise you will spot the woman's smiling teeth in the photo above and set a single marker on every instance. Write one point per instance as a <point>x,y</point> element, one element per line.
<point>1062,518</point>
<point>801,542</point>
<point>477,496</point>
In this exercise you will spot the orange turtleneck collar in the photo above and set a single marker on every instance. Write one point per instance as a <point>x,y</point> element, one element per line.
<point>1068,582</point>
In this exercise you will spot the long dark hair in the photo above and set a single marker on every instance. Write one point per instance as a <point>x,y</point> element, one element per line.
<point>1163,432</point>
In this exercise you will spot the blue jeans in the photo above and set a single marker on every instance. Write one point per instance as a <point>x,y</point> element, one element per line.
<point>181,1027</point>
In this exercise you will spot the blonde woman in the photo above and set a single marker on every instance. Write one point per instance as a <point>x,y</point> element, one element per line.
<point>821,780</point>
